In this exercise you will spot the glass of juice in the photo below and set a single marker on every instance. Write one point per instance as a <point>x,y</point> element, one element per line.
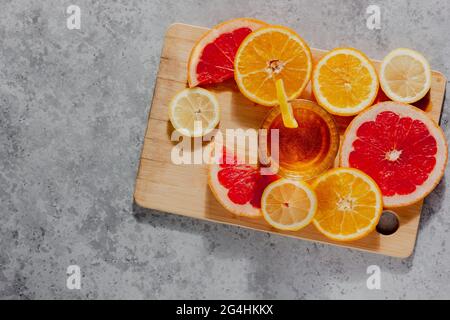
<point>307,151</point>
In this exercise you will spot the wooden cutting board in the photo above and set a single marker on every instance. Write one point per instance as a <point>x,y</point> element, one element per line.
<point>183,189</point>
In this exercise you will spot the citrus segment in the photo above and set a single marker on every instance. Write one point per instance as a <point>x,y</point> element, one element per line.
<point>267,55</point>
<point>236,185</point>
<point>345,82</point>
<point>194,112</point>
<point>400,147</point>
<point>405,75</point>
<point>288,204</point>
<point>212,58</point>
<point>349,204</point>
<point>285,107</point>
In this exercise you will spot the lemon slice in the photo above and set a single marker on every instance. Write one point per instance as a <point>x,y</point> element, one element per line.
<point>288,204</point>
<point>285,107</point>
<point>405,75</point>
<point>350,204</point>
<point>194,112</point>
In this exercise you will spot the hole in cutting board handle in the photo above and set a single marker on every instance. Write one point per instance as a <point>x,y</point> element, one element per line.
<point>388,223</point>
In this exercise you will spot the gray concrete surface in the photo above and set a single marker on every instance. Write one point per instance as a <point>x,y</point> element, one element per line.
<point>73,111</point>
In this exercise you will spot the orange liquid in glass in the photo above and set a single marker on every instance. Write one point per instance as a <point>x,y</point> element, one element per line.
<point>311,148</point>
<point>305,144</point>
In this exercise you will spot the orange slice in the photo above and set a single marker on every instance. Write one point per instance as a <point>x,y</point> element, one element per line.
<point>349,204</point>
<point>267,55</point>
<point>345,82</point>
<point>405,75</point>
<point>288,204</point>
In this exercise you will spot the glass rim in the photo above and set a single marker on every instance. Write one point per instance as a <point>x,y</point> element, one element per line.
<point>328,161</point>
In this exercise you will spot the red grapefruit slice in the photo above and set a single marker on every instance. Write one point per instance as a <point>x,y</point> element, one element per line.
<point>237,186</point>
<point>400,147</point>
<point>212,58</point>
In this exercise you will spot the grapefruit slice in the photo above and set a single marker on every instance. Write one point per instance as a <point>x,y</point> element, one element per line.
<point>400,147</point>
<point>212,58</point>
<point>236,185</point>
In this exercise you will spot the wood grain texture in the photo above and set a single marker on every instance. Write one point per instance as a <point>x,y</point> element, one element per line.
<point>183,189</point>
